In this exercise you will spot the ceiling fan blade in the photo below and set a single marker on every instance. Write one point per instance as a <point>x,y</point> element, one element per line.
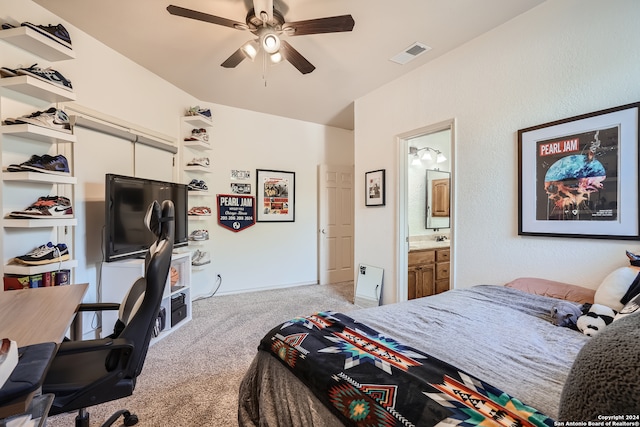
<point>235,58</point>
<point>201,16</point>
<point>333,24</point>
<point>295,58</point>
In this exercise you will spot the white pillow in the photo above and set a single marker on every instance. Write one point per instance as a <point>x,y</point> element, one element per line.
<point>631,307</point>
<point>614,286</point>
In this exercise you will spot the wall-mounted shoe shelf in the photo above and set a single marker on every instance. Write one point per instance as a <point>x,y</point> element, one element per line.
<point>31,86</point>
<point>39,269</point>
<point>44,178</point>
<point>37,133</point>
<point>34,42</point>
<point>39,222</point>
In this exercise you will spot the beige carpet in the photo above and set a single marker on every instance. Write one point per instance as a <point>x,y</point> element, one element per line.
<point>191,377</point>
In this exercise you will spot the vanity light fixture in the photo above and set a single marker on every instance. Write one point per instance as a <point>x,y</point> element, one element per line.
<point>415,152</point>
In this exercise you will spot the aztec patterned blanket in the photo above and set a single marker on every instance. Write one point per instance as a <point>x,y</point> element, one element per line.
<point>367,379</point>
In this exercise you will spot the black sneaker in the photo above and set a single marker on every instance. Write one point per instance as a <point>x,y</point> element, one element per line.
<point>45,254</point>
<point>20,168</point>
<point>57,33</point>
<point>54,165</point>
<point>46,207</point>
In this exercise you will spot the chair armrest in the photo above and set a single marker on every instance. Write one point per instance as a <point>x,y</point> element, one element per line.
<point>74,347</point>
<point>98,306</point>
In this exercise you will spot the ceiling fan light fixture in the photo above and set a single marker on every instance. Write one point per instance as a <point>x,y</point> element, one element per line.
<point>250,49</point>
<point>275,58</point>
<point>270,42</point>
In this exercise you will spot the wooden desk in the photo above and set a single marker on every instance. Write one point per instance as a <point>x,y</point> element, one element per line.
<point>33,316</point>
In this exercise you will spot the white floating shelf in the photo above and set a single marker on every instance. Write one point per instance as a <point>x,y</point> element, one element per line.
<point>34,42</point>
<point>198,217</point>
<point>198,193</point>
<point>198,121</point>
<point>44,178</point>
<point>200,169</point>
<point>37,133</point>
<point>38,223</point>
<point>197,145</point>
<point>28,270</point>
<point>37,88</point>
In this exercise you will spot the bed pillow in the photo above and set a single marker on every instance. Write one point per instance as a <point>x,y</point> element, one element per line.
<point>614,287</point>
<point>604,375</point>
<point>551,288</point>
<point>629,308</point>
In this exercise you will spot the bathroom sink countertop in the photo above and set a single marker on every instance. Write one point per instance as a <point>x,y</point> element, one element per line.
<point>428,244</point>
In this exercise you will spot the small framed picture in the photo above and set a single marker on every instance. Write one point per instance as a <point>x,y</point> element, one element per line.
<point>275,194</point>
<point>374,188</point>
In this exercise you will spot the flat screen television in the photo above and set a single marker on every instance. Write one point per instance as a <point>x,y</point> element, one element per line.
<point>126,201</point>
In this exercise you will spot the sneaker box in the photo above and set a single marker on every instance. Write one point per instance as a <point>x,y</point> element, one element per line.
<point>178,309</point>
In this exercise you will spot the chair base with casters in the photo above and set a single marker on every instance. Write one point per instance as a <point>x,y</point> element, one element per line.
<point>91,372</point>
<point>82,420</point>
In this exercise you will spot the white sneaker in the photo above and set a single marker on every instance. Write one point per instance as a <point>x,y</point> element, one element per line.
<point>203,258</point>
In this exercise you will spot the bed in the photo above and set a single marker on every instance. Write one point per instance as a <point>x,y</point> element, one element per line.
<point>496,340</point>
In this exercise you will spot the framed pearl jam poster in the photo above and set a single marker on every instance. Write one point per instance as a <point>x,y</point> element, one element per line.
<point>275,194</point>
<point>578,177</point>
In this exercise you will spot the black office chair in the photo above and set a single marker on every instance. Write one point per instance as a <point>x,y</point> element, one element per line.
<point>87,373</point>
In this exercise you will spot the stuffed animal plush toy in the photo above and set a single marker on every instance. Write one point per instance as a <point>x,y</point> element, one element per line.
<point>566,314</point>
<point>594,321</point>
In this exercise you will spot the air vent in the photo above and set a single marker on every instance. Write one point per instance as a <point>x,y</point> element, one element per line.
<point>410,53</point>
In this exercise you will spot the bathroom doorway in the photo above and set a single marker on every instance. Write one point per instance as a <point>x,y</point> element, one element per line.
<point>426,161</point>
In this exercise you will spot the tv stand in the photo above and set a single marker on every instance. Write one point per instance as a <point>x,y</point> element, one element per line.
<point>117,277</point>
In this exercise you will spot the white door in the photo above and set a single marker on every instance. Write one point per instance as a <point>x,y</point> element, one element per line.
<point>335,224</point>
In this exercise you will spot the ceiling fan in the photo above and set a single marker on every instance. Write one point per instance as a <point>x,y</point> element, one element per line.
<point>268,25</point>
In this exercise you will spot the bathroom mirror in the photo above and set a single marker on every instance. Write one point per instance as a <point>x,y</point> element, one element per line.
<point>437,197</point>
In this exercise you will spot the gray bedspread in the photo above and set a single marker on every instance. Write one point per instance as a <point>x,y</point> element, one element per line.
<point>500,335</point>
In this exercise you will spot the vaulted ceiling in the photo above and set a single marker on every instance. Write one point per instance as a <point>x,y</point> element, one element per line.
<point>188,52</point>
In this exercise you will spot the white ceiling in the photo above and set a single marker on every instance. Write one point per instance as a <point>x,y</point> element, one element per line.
<point>188,53</point>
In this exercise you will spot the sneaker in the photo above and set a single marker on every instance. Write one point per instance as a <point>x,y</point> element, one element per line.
<point>48,75</point>
<point>199,135</point>
<point>200,211</point>
<point>197,111</point>
<point>203,161</point>
<point>57,33</point>
<point>19,167</point>
<point>52,118</point>
<point>7,26</point>
<point>47,207</point>
<point>199,235</point>
<point>200,258</point>
<point>196,185</point>
<point>45,254</point>
<point>54,165</point>
<point>8,72</point>
<point>204,112</point>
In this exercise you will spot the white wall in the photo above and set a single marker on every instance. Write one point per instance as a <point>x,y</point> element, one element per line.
<point>263,256</point>
<point>563,58</point>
